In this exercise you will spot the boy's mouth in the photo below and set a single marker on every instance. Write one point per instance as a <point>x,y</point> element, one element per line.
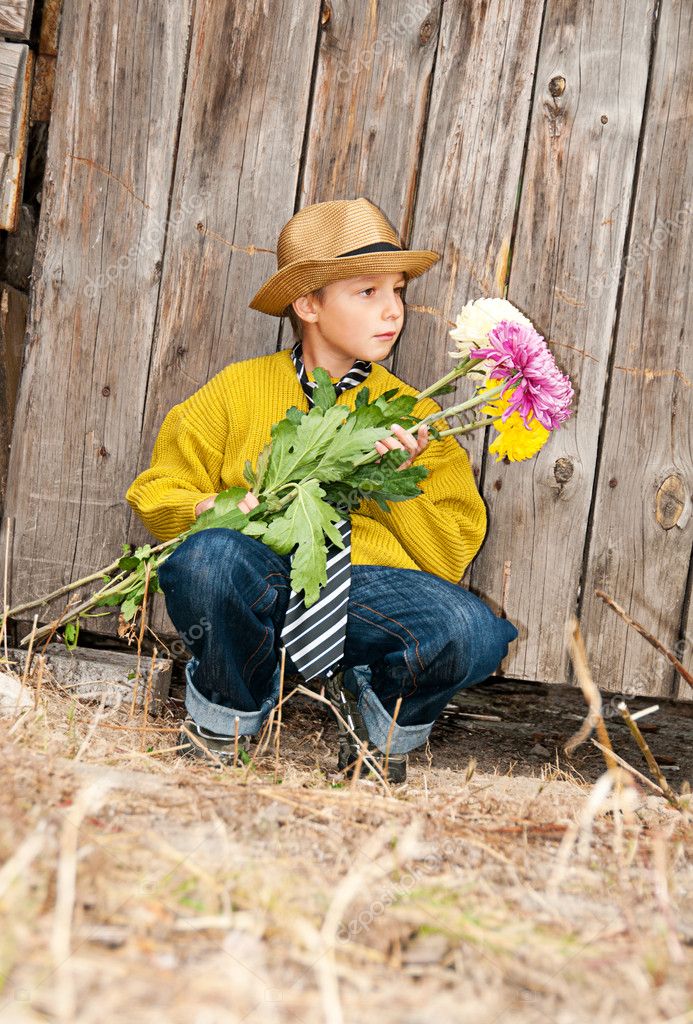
<point>387,334</point>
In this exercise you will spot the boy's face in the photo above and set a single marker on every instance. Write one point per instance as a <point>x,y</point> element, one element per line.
<point>358,318</point>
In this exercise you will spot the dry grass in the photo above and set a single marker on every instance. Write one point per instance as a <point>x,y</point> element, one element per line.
<point>138,884</point>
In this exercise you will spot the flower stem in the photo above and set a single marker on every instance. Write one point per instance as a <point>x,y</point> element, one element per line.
<point>460,370</point>
<point>470,426</point>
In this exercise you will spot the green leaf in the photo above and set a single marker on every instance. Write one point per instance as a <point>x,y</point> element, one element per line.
<point>444,389</point>
<point>255,529</point>
<point>348,443</point>
<point>227,500</point>
<point>383,483</point>
<point>248,473</point>
<point>262,464</point>
<point>70,633</point>
<point>362,397</point>
<point>109,601</point>
<point>128,608</point>
<point>305,523</point>
<point>128,562</point>
<point>324,395</point>
<point>223,513</point>
<point>143,552</point>
<point>297,446</point>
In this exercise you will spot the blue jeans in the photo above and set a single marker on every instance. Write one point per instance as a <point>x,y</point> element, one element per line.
<point>409,634</point>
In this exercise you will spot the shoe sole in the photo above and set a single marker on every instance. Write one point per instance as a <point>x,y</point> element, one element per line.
<point>396,770</point>
<point>208,751</point>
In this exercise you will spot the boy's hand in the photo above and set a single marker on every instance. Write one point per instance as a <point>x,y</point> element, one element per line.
<point>250,501</point>
<point>245,505</point>
<point>403,439</point>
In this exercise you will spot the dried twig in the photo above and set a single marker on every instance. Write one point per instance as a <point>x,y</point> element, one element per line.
<point>649,756</point>
<point>657,644</point>
<point>5,608</point>
<point>143,618</point>
<point>629,768</point>
<point>277,739</point>
<point>389,733</point>
<point>576,648</point>
<point>367,757</point>
<point>147,696</point>
<point>87,799</point>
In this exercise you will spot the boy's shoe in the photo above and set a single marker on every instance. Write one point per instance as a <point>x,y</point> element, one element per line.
<point>346,703</point>
<point>211,745</point>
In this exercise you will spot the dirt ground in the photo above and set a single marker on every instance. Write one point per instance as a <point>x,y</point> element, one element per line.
<point>500,885</point>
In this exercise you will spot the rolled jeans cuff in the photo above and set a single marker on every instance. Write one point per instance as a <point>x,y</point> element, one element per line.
<point>376,719</point>
<point>222,720</point>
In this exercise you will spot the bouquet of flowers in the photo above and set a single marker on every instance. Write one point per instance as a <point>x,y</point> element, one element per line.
<point>319,464</point>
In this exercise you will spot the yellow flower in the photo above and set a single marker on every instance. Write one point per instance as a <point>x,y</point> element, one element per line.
<point>515,440</point>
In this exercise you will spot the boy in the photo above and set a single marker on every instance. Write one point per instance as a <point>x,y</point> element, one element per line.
<point>411,632</point>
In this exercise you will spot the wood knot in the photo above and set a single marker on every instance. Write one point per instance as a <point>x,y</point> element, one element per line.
<point>563,470</point>
<point>105,391</point>
<point>670,501</point>
<point>325,14</point>
<point>426,30</point>
<point>557,86</point>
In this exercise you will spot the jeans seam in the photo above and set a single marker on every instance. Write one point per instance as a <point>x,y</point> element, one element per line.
<point>397,623</point>
<point>258,648</point>
<point>379,625</point>
<point>256,667</point>
<point>267,586</point>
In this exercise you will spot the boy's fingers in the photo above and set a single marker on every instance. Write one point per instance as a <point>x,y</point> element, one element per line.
<point>408,440</point>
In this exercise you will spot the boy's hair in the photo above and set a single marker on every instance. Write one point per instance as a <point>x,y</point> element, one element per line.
<point>295,320</point>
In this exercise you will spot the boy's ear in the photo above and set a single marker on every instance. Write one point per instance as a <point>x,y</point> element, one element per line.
<point>305,307</point>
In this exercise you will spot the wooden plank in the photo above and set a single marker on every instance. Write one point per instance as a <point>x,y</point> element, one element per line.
<point>642,532</point>
<point>15,18</point>
<point>16,65</point>
<point>96,285</point>
<point>468,179</point>
<point>96,675</point>
<point>13,314</point>
<point>46,59</point>
<point>373,79</point>
<point>530,562</point>
<point>241,140</point>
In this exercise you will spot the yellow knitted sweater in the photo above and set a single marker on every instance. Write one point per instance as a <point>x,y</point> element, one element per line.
<point>205,440</point>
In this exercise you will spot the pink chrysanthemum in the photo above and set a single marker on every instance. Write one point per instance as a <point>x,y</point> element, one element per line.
<point>518,353</point>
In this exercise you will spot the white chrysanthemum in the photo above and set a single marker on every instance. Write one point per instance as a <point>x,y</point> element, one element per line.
<point>473,324</point>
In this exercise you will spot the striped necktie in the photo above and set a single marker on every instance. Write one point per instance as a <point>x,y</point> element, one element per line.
<point>314,637</point>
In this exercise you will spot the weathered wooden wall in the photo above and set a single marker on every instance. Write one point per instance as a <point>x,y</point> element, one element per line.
<point>541,147</point>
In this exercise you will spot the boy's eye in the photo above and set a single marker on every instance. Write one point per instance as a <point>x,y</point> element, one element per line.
<point>400,289</point>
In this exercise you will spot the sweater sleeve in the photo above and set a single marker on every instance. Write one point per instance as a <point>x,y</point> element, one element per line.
<point>443,528</point>
<point>185,465</point>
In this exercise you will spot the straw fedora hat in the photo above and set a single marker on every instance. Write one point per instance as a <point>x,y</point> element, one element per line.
<point>330,241</point>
